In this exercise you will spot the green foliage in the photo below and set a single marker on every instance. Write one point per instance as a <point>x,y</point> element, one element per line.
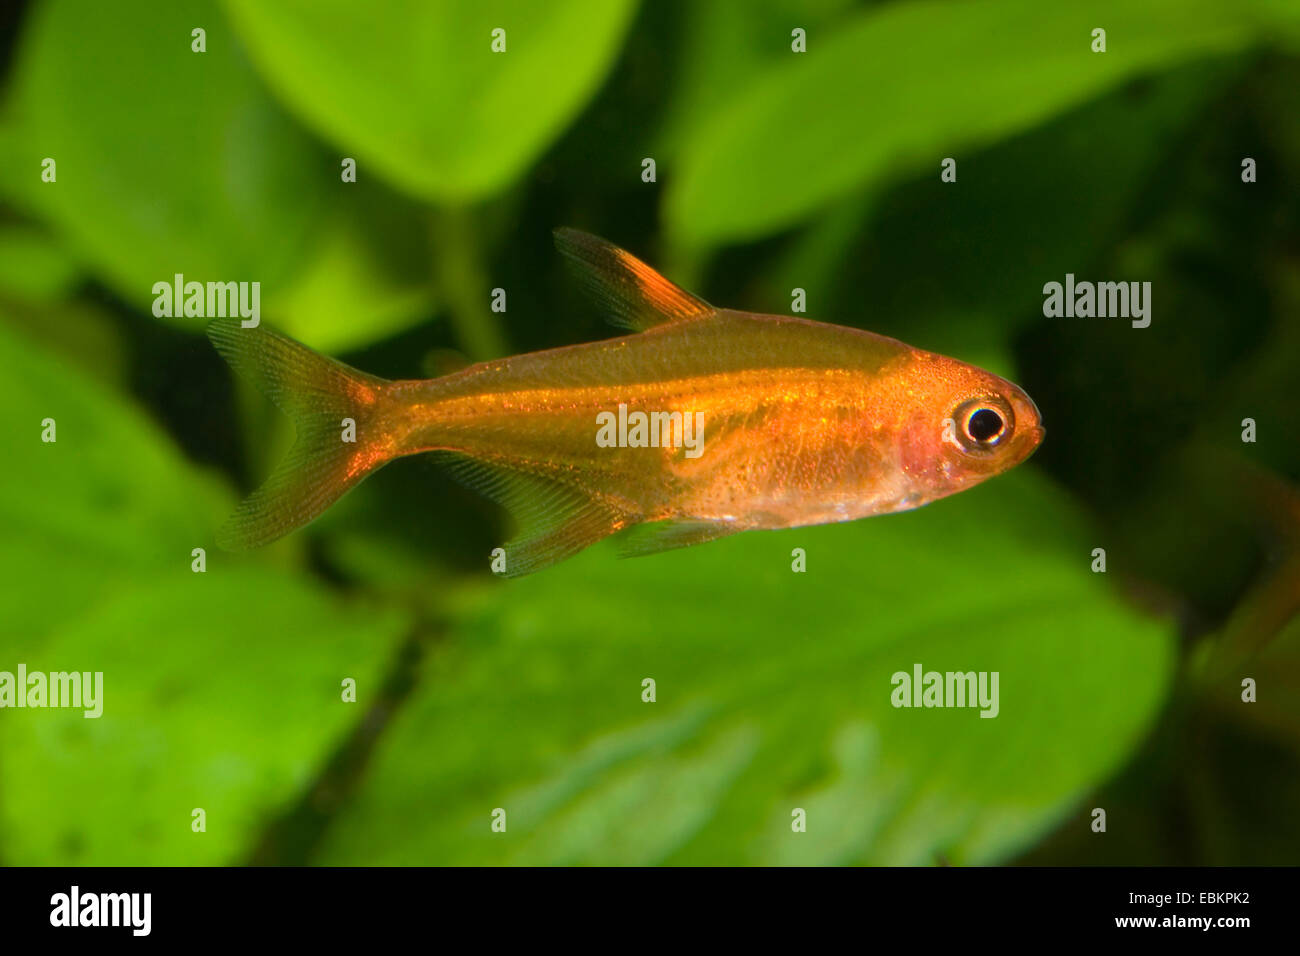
<point>202,175</point>
<point>419,91</point>
<point>221,693</point>
<point>222,688</point>
<point>111,499</point>
<point>773,693</point>
<point>32,267</point>
<point>878,100</point>
<point>168,161</point>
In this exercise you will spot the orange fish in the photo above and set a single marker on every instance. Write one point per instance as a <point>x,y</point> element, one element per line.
<point>702,423</point>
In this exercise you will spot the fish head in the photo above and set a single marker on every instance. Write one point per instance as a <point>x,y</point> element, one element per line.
<point>962,426</point>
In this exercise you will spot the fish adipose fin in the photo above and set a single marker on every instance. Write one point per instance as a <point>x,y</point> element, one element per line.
<point>555,520</point>
<point>667,535</point>
<point>636,296</point>
<point>318,394</point>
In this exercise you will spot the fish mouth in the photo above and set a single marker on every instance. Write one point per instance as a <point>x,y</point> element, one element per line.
<point>1031,442</point>
<point>1022,446</point>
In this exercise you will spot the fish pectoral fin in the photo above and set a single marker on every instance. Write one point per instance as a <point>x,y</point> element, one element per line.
<point>659,536</point>
<point>555,520</point>
<point>636,296</point>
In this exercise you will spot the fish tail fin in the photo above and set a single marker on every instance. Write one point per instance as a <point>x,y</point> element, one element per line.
<point>332,407</point>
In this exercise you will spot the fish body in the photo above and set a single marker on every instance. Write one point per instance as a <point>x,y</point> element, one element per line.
<point>703,422</point>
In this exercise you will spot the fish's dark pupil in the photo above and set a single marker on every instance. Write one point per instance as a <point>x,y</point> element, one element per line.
<point>984,425</point>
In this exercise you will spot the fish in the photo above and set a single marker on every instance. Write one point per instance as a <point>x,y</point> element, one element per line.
<point>696,424</point>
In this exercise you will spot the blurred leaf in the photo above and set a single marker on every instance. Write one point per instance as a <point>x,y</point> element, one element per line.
<point>168,161</point>
<point>418,96</point>
<point>773,693</point>
<point>33,266</point>
<point>1276,672</point>
<point>222,689</point>
<point>79,330</point>
<point>368,276</point>
<point>975,72</point>
<point>344,300</point>
<point>110,499</point>
<point>725,44</point>
<point>1015,218</point>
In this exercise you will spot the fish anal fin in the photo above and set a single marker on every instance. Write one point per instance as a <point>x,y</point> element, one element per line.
<point>554,520</point>
<point>635,295</point>
<point>667,535</point>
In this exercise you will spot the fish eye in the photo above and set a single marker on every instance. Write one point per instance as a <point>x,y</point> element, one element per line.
<point>983,424</point>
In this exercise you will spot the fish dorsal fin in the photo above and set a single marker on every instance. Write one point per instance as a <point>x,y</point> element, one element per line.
<point>635,295</point>
<point>555,520</point>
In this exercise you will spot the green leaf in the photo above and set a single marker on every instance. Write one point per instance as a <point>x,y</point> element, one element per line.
<point>107,499</point>
<point>773,693</point>
<point>419,97</point>
<point>725,44</point>
<point>220,692</point>
<point>221,689</point>
<point>908,84</point>
<point>369,275</point>
<point>168,161</point>
<point>1015,217</point>
<point>34,268</point>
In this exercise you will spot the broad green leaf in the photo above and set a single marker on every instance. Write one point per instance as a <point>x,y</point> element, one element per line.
<point>369,275</point>
<point>34,267</point>
<point>418,96</point>
<point>908,84</point>
<point>168,161</point>
<point>110,498</point>
<point>221,689</point>
<point>1014,219</point>
<point>773,693</point>
<point>725,44</point>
